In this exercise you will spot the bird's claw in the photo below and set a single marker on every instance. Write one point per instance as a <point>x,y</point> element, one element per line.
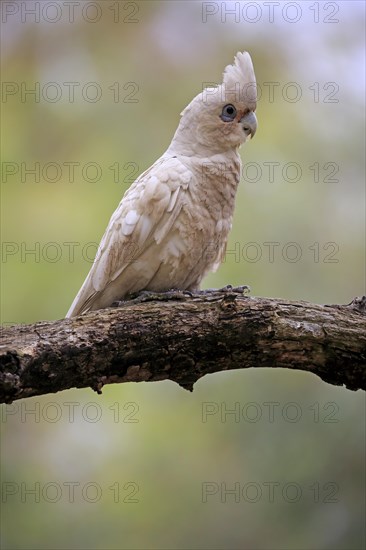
<point>211,294</point>
<point>151,296</point>
<point>242,289</point>
<point>228,289</point>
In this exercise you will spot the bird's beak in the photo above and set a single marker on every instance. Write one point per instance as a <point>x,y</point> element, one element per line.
<point>249,124</point>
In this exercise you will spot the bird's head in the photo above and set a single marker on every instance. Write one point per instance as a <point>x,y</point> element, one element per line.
<point>220,118</point>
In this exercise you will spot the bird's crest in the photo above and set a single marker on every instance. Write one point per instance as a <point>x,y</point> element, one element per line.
<point>238,86</point>
<point>239,80</point>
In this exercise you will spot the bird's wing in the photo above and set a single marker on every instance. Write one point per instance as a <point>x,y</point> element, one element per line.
<point>144,216</point>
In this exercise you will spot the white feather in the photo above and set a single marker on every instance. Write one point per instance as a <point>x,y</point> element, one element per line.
<point>159,234</point>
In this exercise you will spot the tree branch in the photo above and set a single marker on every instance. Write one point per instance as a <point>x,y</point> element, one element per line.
<point>182,340</point>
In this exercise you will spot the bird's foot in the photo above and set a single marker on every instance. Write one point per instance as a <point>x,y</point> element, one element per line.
<point>230,289</point>
<point>151,296</point>
<point>215,293</point>
<point>210,294</point>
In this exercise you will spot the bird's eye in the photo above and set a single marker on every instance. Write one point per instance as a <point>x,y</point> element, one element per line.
<point>228,113</point>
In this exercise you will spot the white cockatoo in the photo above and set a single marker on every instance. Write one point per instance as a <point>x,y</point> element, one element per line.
<point>171,226</point>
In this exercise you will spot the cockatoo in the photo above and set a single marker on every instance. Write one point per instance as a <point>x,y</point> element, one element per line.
<point>172,225</point>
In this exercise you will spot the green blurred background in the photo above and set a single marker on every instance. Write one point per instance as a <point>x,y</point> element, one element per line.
<point>150,465</point>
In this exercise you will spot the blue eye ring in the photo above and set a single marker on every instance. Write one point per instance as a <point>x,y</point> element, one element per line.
<point>228,113</point>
